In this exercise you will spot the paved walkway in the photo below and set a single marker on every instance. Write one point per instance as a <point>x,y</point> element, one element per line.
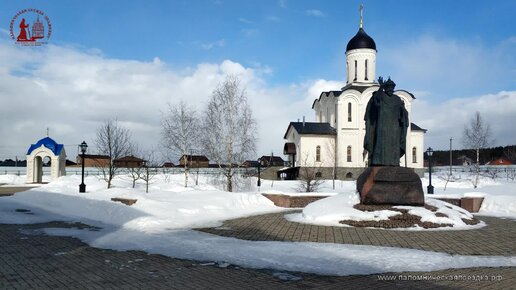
<point>31,260</point>
<point>497,238</point>
<point>10,190</point>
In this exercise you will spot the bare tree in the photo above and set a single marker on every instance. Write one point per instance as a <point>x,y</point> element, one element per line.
<point>114,142</point>
<point>134,172</point>
<point>310,177</point>
<point>448,177</point>
<point>180,131</point>
<point>229,130</point>
<point>476,135</point>
<point>149,169</point>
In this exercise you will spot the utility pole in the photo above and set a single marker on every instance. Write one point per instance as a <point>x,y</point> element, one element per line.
<point>451,158</point>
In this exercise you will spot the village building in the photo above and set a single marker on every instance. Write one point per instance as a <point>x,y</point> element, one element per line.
<point>129,162</point>
<point>500,161</point>
<point>271,160</point>
<point>335,139</point>
<point>93,160</point>
<point>194,161</point>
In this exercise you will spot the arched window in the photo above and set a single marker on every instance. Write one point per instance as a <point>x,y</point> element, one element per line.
<point>348,154</point>
<point>356,70</point>
<point>350,110</point>
<point>349,175</point>
<point>414,156</point>
<point>347,68</point>
<point>318,174</point>
<point>335,116</point>
<point>366,69</point>
<point>318,153</point>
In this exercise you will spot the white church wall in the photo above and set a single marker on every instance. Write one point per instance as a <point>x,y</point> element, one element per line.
<point>308,148</point>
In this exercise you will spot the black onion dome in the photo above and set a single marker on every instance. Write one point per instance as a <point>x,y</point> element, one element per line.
<point>361,40</point>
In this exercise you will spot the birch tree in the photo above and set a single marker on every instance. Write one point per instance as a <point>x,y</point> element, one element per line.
<point>476,135</point>
<point>114,142</point>
<point>180,131</point>
<point>229,130</point>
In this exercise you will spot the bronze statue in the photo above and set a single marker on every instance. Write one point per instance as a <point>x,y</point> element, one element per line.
<point>386,126</point>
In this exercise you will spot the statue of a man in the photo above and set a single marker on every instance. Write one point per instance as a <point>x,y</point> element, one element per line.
<point>386,126</point>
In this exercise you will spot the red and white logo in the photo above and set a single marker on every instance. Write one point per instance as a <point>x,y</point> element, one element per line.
<point>30,27</point>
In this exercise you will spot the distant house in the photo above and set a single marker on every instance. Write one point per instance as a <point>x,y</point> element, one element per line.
<point>251,163</point>
<point>194,161</point>
<point>168,164</point>
<point>271,161</point>
<point>465,160</point>
<point>91,160</point>
<point>500,161</point>
<point>129,162</point>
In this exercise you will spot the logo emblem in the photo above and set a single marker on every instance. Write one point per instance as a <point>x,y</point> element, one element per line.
<point>30,27</point>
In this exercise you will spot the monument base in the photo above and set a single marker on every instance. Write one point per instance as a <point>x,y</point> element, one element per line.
<point>390,185</point>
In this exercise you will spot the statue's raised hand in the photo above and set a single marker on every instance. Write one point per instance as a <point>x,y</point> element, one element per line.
<point>380,81</point>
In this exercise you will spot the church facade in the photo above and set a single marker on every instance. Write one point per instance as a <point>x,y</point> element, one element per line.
<point>335,139</point>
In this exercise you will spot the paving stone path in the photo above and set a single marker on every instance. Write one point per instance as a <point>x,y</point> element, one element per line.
<point>498,238</point>
<point>29,259</point>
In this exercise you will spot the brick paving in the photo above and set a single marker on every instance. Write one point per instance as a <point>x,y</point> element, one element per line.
<point>497,238</point>
<point>30,259</point>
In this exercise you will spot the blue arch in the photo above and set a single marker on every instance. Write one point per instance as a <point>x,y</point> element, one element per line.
<point>48,143</point>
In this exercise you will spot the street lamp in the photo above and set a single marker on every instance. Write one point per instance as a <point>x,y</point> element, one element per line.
<point>430,188</point>
<point>83,146</point>
<point>259,182</point>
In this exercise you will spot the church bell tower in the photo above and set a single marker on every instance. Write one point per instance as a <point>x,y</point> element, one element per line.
<point>361,57</point>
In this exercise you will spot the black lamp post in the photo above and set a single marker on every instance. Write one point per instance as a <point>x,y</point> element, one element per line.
<point>83,146</point>
<point>259,182</point>
<point>430,188</point>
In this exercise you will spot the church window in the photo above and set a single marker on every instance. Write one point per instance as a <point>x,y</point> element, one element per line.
<point>349,112</point>
<point>335,117</point>
<point>366,69</point>
<point>318,153</point>
<point>414,156</point>
<point>356,70</point>
<point>348,153</point>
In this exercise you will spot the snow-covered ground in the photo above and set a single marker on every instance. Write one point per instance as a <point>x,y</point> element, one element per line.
<point>161,222</point>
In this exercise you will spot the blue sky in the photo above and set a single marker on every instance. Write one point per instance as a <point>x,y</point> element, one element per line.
<point>446,52</point>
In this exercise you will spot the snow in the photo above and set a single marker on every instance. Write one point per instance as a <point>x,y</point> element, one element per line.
<point>161,221</point>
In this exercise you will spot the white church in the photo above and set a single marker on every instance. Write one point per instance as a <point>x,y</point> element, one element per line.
<point>337,135</point>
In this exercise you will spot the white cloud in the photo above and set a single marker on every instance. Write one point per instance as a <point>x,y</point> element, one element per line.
<point>210,45</point>
<point>245,20</point>
<point>250,31</point>
<point>72,92</point>
<point>447,120</point>
<point>448,68</point>
<point>315,12</point>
